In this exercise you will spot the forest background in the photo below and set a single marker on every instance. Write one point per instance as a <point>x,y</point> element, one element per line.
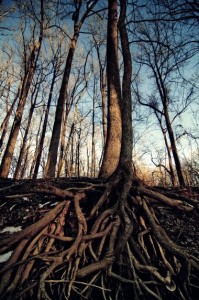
<point>99,149</point>
<point>163,52</point>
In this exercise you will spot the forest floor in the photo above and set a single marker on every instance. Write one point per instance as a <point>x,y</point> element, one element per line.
<point>23,209</point>
<point>20,207</point>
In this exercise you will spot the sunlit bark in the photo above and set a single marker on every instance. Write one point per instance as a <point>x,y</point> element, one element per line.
<point>114,122</point>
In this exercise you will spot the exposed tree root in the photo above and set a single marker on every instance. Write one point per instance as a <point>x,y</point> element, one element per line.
<point>105,248</point>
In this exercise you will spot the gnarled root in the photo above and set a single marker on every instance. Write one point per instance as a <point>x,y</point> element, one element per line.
<point>114,247</point>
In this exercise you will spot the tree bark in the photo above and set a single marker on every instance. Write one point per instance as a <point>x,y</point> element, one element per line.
<point>8,154</point>
<point>27,80</point>
<point>173,147</point>
<point>114,121</point>
<point>50,169</point>
<point>54,144</point>
<point>103,94</point>
<point>41,142</point>
<point>93,131</point>
<point>24,143</point>
<point>125,163</point>
<point>4,124</point>
<point>171,168</point>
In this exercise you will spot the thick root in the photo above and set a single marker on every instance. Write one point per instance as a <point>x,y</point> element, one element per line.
<point>107,247</point>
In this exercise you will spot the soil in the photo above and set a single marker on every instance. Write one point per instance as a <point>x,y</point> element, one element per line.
<point>23,209</point>
<point>21,206</point>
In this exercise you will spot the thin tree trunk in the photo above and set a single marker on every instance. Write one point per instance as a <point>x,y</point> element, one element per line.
<point>8,154</point>
<point>88,162</point>
<point>62,146</point>
<point>72,154</point>
<point>25,164</point>
<point>103,96</point>
<point>69,103</point>
<point>164,96</point>
<point>27,80</point>
<point>54,144</point>
<point>4,124</point>
<point>173,147</point>
<point>67,166</point>
<point>24,146</point>
<point>93,133</point>
<point>171,169</point>
<point>41,143</point>
<point>78,146</point>
<point>36,146</point>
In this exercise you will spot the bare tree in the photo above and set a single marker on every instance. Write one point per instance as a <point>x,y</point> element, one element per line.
<point>72,99</point>
<point>55,63</point>
<point>5,123</point>
<point>93,162</point>
<point>30,64</point>
<point>54,144</point>
<point>164,58</point>
<point>99,41</point>
<point>23,151</point>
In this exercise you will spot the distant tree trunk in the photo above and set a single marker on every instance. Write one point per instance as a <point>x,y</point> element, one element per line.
<point>88,163</point>
<point>78,148</point>
<point>27,80</point>
<point>24,168</point>
<point>72,154</point>
<point>103,94</point>
<point>171,169</point>
<point>104,108</point>
<point>54,144</point>
<point>24,146</point>
<point>93,132</point>
<point>4,124</point>
<point>36,145</point>
<point>8,154</point>
<point>114,122</point>
<point>69,104</point>
<point>62,146</point>
<point>67,165</point>
<point>41,143</point>
<point>173,146</point>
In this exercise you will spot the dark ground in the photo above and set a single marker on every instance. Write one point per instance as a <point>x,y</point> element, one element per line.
<point>20,205</point>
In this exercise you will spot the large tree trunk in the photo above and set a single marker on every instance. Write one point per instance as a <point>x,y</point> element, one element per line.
<point>125,162</point>
<point>114,121</point>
